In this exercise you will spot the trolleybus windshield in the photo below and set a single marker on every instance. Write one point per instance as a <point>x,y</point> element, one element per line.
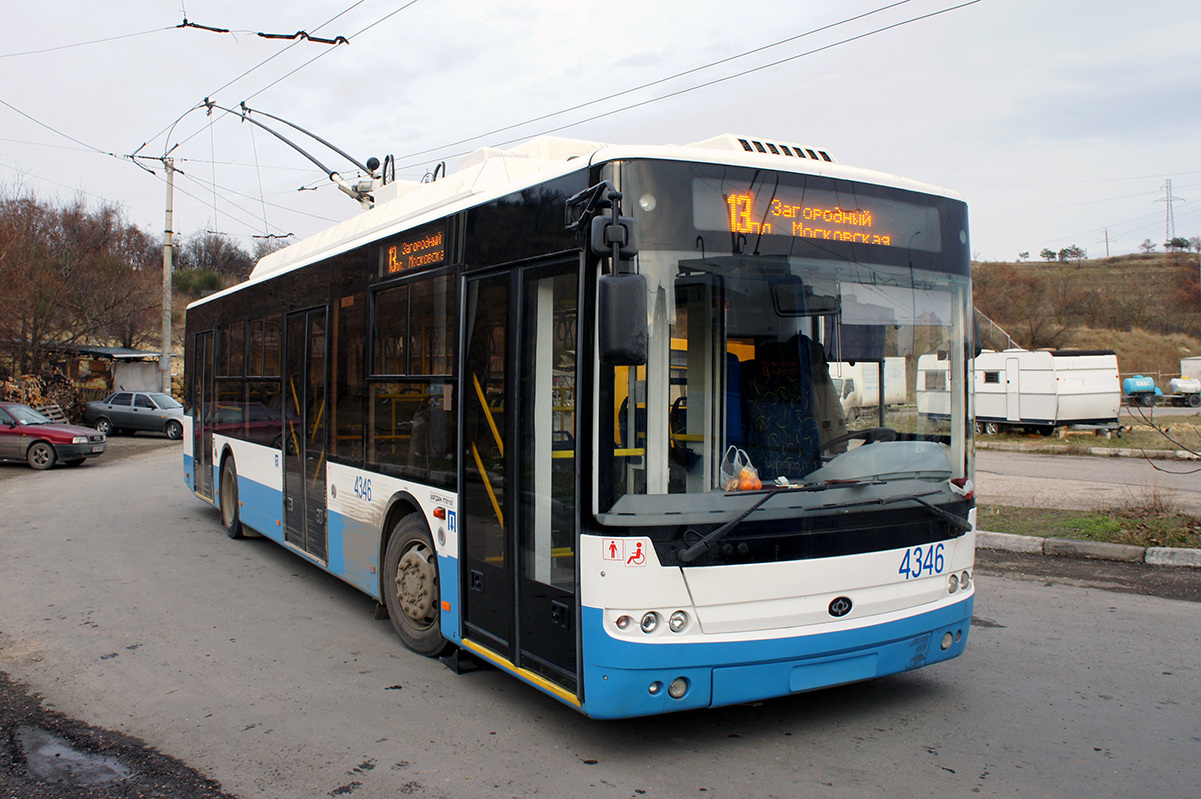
<point>787,316</point>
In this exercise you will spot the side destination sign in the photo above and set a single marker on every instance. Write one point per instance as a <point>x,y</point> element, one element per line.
<point>419,248</point>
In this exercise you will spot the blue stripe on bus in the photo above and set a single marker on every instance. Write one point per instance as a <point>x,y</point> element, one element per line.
<point>728,673</point>
<point>262,508</point>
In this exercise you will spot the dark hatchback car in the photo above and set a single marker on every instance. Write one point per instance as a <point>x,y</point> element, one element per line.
<point>130,411</point>
<point>27,435</point>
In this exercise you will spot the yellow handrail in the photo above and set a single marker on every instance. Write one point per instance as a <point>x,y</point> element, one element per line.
<point>479,390</point>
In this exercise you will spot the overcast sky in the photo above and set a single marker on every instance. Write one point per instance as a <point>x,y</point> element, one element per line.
<point>1059,121</point>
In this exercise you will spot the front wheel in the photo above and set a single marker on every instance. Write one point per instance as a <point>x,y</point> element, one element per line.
<point>174,430</point>
<point>410,587</point>
<point>41,456</point>
<point>231,518</point>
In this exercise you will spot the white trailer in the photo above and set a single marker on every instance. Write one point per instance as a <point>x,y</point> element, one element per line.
<point>859,383</point>
<point>1046,388</point>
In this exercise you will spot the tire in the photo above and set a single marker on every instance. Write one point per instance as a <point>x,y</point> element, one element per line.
<point>410,587</point>
<point>174,430</point>
<point>104,426</point>
<point>231,517</point>
<point>1194,400</point>
<point>1147,400</point>
<point>41,456</point>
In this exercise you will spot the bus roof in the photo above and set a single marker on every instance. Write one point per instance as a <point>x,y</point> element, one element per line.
<point>490,173</point>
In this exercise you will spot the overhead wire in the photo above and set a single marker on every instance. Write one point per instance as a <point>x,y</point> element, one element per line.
<point>85,44</point>
<point>253,69</point>
<point>659,81</point>
<point>725,78</point>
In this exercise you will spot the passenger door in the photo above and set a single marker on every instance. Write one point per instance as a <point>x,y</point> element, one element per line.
<point>202,415</point>
<point>519,467</point>
<point>304,445</point>
<point>144,414</point>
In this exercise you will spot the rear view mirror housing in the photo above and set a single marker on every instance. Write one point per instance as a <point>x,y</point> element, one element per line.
<point>621,320</point>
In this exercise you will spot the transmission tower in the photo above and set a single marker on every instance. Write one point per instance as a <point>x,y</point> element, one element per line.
<point>1170,220</point>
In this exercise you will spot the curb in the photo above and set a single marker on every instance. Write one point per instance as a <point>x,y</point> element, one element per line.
<point>1093,550</point>
<point>1100,452</point>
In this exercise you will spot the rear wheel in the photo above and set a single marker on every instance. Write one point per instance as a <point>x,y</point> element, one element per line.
<point>1148,400</point>
<point>41,455</point>
<point>1194,400</point>
<point>231,519</point>
<point>410,587</point>
<point>104,426</point>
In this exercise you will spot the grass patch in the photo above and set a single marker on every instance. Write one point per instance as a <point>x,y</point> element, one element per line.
<point>1149,523</point>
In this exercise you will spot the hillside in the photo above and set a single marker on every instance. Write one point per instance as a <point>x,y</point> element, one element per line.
<point>1147,308</point>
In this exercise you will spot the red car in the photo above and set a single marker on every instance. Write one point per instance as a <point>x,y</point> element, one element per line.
<point>27,435</point>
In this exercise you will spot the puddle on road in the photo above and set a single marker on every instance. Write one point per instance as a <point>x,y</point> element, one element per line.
<point>50,758</point>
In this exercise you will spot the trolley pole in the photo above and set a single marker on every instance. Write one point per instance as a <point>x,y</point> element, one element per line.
<point>164,361</point>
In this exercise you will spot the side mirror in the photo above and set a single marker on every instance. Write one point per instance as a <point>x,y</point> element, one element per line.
<point>607,231</point>
<point>621,320</point>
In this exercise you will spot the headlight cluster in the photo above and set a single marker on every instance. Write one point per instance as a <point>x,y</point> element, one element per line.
<point>959,582</point>
<point>676,689</point>
<point>79,440</point>
<point>652,620</point>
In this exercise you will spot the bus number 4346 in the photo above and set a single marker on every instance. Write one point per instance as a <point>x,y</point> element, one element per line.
<point>922,561</point>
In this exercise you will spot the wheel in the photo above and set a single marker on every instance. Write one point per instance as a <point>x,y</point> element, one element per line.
<point>104,426</point>
<point>869,436</point>
<point>1194,400</point>
<point>231,519</point>
<point>410,587</point>
<point>41,455</point>
<point>1147,400</point>
<point>174,430</point>
<point>990,428</point>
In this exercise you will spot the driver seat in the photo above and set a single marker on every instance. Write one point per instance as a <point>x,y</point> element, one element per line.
<point>782,432</point>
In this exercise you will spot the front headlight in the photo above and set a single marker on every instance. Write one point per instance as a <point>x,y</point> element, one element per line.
<point>79,440</point>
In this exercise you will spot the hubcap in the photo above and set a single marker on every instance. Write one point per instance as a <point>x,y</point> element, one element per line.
<point>415,582</point>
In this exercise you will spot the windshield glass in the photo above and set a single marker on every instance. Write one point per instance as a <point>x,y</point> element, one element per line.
<point>26,415</point>
<point>804,331</point>
<point>165,401</point>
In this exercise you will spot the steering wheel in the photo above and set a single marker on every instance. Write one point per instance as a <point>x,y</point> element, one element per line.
<point>869,436</point>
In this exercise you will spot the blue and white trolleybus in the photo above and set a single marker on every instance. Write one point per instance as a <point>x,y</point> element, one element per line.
<point>568,411</point>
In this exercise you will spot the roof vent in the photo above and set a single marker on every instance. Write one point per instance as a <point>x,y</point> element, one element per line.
<point>746,144</point>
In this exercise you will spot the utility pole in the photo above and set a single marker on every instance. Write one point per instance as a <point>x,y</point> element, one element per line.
<point>1170,219</point>
<point>164,360</point>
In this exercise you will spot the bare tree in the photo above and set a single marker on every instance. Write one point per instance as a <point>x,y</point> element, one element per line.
<point>72,275</point>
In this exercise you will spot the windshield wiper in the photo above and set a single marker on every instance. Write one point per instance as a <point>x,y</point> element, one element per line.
<point>958,522</point>
<point>703,545</point>
<point>713,536</point>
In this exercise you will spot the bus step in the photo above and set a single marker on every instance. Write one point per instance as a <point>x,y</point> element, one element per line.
<point>460,661</point>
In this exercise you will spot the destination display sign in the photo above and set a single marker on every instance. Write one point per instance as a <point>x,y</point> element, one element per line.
<point>416,249</point>
<point>806,213</point>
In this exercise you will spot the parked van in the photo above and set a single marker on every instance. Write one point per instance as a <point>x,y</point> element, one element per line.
<point>858,385</point>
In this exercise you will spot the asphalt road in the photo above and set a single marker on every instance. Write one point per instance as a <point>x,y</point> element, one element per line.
<point>122,602</point>
<point>1083,482</point>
